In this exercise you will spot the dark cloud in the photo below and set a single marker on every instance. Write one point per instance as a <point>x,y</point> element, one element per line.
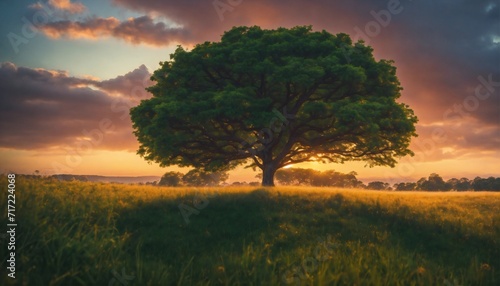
<point>131,85</point>
<point>42,109</point>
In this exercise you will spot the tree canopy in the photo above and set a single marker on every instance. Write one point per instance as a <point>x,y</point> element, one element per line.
<point>271,98</point>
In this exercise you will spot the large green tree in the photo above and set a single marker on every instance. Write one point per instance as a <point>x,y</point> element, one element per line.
<point>270,98</point>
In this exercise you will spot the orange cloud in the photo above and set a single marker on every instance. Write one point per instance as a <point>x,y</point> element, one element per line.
<point>134,30</point>
<point>91,29</point>
<point>68,6</point>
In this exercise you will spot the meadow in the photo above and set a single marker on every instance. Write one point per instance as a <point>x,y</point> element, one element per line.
<point>83,233</point>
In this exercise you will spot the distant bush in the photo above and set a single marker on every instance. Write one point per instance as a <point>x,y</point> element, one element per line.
<point>405,186</point>
<point>379,186</point>
<point>310,177</point>
<point>194,177</point>
<point>171,179</point>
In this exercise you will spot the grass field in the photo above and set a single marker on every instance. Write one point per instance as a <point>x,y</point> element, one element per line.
<point>74,233</point>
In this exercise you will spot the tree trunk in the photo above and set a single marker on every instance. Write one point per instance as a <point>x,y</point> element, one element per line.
<point>268,176</point>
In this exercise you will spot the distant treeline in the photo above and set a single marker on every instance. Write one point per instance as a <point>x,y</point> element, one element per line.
<point>93,178</point>
<point>310,177</point>
<point>104,179</point>
<point>331,178</point>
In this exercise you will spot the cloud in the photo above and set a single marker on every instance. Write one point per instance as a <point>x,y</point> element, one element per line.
<point>131,85</point>
<point>141,30</point>
<point>68,6</point>
<point>437,142</point>
<point>43,109</point>
<point>207,20</point>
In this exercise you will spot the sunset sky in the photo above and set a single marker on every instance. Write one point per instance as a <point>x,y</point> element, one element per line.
<point>69,72</point>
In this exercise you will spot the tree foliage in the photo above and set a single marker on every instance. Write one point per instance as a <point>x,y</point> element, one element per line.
<point>336,179</point>
<point>407,186</point>
<point>295,176</point>
<point>310,177</point>
<point>171,179</point>
<point>433,183</point>
<point>199,177</point>
<point>462,184</point>
<point>378,185</point>
<point>486,184</point>
<point>216,106</point>
<point>436,183</point>
<point>195,177</point>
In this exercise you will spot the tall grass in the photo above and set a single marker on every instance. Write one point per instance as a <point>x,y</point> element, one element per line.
<point>75,233</point>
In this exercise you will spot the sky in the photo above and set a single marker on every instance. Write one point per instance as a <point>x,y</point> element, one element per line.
<point>71,70</point>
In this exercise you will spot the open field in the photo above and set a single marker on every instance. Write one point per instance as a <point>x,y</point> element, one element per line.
<point>74,233</point>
